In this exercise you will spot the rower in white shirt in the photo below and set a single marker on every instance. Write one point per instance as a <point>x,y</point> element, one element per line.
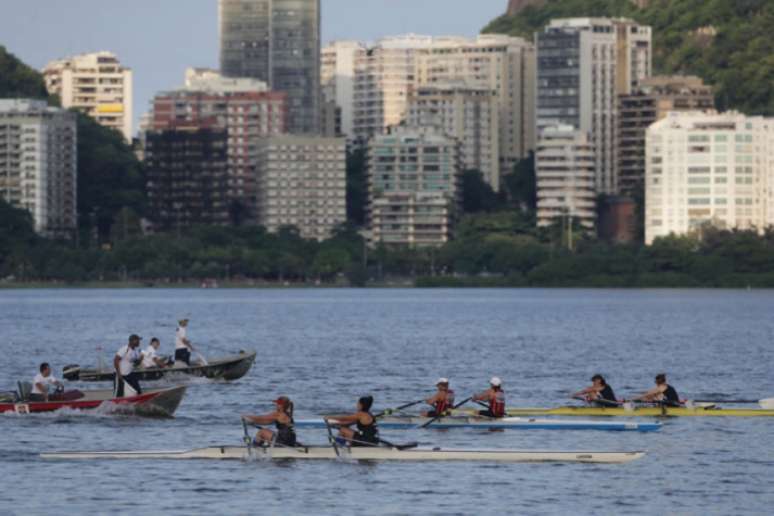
<point>42,382</point>
<point>124,361</point>
<point>150,357</point>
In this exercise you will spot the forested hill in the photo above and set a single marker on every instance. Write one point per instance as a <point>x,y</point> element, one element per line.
<point>729,43</point>
<point>19,80</point>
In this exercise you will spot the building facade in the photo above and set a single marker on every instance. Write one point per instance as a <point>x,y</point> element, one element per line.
<point>278,42</point>
<point>705,168</point>
<point>468,114</point>
<point>244,108</point>
<point>337,78</point>
<point>413,187</point>
<point>95,84</point>
<point>564,169</point>
<point>583,65</point>
<point>302,183</point>
<point>646,104</point>
<point>38,164</point>
<point>187,175</point>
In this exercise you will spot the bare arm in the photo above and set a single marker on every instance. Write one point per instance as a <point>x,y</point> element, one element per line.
<point>482,396</point>
<point>587,390</point>
<point>649,395</point>
<point>265,419</point>
<point>343,419</point>
<point>117,364</point>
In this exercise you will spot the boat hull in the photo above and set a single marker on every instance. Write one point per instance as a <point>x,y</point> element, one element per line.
<point>151,403</point>
<point>638,412</point>
<point>365,453</point>
<point>508,423</point>
<point>226,368</point>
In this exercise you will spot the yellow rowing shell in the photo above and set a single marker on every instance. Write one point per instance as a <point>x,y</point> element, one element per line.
<point>637,411</point>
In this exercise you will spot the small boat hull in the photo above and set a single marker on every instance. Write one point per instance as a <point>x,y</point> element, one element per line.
<point>226,368</point>
<point>151,403</point>
<point>507,423</point>
<point>365,453</point>
<point>697,411</point>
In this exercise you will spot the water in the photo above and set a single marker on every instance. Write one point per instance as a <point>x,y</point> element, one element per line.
<point>325,347</point>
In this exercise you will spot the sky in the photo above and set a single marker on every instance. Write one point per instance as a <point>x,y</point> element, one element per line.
<point>159,39</point>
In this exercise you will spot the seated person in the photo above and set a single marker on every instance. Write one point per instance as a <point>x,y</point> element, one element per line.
<point>150,356</point>
<point>42,382</point>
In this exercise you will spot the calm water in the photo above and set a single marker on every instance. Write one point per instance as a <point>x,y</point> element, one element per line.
<point>325,347</point>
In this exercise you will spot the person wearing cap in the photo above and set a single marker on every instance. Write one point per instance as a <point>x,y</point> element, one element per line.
<point>495,397</point>
<point>282,418</point>
<point>442,401</point>
<point>367,433</point>
<point>150,356</point>
<point>124,361</point>
<point>183,346</point>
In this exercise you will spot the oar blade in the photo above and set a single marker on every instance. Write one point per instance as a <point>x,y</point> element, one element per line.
<point>767,403</point>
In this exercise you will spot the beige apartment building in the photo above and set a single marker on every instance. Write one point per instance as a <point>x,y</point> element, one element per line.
<point>96,84</point>
<point>302,183</point>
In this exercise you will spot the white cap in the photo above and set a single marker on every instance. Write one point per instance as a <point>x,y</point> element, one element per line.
<point>442,380</point>
<point>495,381</point>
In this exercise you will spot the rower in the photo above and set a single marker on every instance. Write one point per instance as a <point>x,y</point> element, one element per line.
<point>150,357</point>
<point>367,433</point>
<point>183,346</point>
<point>495,396</point>
<point>662,393</point>
<point>124,361</point>
<point>599,393</point>
<point>43,380</point>
<point>441,401</point>
<point>282,418</point>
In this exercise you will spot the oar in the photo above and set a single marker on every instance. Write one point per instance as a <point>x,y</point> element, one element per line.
<point>331,438</point>
<point>387,412</point>
<point>763,403</point>
<point>439,416</point>
<point>601,401</point>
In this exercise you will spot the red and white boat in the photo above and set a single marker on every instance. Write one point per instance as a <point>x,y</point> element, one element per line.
<point>152,402</point>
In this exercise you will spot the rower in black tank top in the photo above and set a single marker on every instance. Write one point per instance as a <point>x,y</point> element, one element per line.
<point>670,397</point>
<point>286,433</point>
<point>366,435</point>
<point>607,394</point>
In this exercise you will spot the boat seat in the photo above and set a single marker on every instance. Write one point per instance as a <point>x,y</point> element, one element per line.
<point>25,389</point>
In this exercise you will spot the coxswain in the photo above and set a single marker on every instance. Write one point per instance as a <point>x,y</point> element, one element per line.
<point>442,401</point>
<point>282,418</point>
<point>495,397</point>
<point>183,346</point>
<point>662,393</point>
<point>367,433</point>
<point>124,362</point>
<point>150,356</point>
<point>42,382</point>
<point>598,393</point>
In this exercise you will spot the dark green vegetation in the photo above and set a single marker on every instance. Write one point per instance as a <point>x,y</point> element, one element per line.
<point>728,43</point>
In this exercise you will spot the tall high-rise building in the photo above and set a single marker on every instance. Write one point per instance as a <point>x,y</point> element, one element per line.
<point>38,163</point>
<point>337,77</point>
<point>276,41</point>
<point>646,104</point>
<point>413,187</point>
<point>244,108</point>
<point>96,84</point>
<point>302,183</point>
<point>468,113</point>
<point>706,168</point>
<point>583,65</point>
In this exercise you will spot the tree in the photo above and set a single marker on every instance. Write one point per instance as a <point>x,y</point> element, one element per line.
<point>357,186</point>
<point>521,184</point>
<point>477,194</point>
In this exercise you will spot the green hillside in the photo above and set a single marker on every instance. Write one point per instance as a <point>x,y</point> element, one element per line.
<point>726,42</point>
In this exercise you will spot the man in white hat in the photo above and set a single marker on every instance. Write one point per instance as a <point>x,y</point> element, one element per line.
<point>183,346</point>
<point>495,397</point>
<point>442,401</point>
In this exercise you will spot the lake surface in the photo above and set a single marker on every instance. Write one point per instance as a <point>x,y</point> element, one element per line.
<point>324,348</point>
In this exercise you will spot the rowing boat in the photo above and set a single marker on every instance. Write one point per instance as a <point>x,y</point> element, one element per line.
<point>712,411</point>
<point>224,368</point>
<point>364,453</point>
<point>151,403</point>
<point>518,423</point>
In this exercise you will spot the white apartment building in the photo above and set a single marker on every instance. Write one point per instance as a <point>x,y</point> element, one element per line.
<point>564,167</point>
<point>708,168</point>
<point>337,78</point>
<point>469,114</point>
<point>583,64</point>
<point>302,183</point>
<point>38,163</point>
<point>95,84</point>
<point>413,187</point>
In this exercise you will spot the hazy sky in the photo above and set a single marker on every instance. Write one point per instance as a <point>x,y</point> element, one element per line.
<point>159,39</point>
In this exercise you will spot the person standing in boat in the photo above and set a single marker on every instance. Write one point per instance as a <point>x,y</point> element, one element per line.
<point>662,393</point>
<point>598,393</point>
<point>124,362</point>
<point>282,418</point>
<point>442,401</point>
<point>150,356</point>
<point>183,346</point>
<point>42,382</point>
<point>367,433</point>
<point>495,397</point>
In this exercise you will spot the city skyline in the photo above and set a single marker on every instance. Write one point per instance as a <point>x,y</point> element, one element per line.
<point>159,55</point>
